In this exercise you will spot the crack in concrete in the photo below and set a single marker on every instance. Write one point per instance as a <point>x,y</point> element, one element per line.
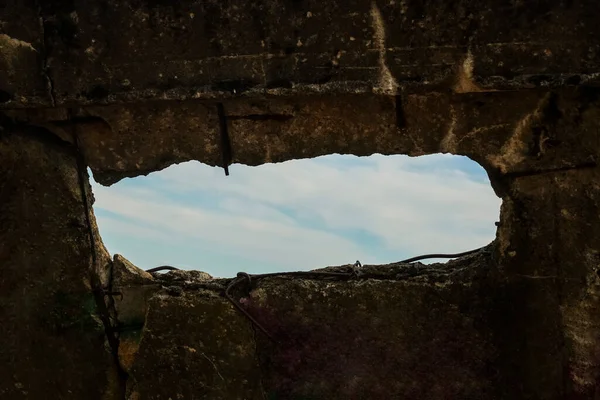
<point>98,291</point>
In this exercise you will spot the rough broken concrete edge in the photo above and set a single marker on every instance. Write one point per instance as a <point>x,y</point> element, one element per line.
<point>175,284</point>
<point>396,271</point>
<point>60,121</point>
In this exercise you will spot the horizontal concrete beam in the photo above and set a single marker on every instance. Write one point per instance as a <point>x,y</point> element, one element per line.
<point>127,51</point>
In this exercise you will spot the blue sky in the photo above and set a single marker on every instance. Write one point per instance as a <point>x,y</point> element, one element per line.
<point>298,215</point>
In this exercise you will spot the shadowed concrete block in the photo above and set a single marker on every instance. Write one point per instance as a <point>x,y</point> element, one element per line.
<point>408,331</point>
<point>53,341</point>
<point>194,345</point>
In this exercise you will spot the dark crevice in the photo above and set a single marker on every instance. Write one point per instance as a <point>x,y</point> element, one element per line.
<point>50,86</point>
<point>10,126</point>
<point>5,97</point>
<point>586,96</point>
<point>257,357</point>
<point>573,80</point>
<point>46,130</point>
<point>97,92</point>
<point>98,291</point>
<point>400,117</point>
<point>130,327</point>
<point>110,292</point>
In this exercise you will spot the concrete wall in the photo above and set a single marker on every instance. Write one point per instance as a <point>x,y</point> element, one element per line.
<point>132,87</point>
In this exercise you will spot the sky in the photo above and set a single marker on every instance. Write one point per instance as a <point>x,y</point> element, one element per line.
<point>298,215</point>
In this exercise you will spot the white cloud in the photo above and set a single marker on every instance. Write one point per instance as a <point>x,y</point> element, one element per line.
<point>294,214</point>
<point>255,235</point>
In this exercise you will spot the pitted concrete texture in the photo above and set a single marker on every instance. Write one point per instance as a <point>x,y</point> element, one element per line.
<point>130,87</point>
<point>62,53</point>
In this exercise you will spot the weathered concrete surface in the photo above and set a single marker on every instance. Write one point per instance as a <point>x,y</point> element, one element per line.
<point>208,352</point>
<point>66,52</point>
<point>527,315</point>
<point>455,331</point>
<point>137,287</point>
<point>196,344</point>
<point>535,309</point>
<point>420,338</point>
<point>425,336</point>
<point>141,84</point>
<point>463,330</point>
<point>508,133</point>
<point>53,341</point>
<point>548,233</point>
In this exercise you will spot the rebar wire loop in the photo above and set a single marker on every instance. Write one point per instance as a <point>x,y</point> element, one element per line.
<point>427,256</point>
<point>243,276</point>
<point>240,278</point>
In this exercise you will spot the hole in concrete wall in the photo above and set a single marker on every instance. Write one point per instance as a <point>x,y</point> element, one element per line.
<point>298,215</point>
